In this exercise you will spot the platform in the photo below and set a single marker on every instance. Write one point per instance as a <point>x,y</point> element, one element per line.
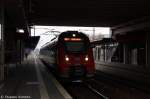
<point>31,80</point>
<point>130,75</point>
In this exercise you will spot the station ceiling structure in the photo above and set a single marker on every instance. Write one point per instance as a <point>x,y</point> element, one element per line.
<point>75,12</point>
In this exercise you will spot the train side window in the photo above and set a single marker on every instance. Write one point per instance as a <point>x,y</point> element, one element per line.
<point>51,53</point>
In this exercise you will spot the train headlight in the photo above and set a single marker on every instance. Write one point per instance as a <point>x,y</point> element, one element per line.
<point>66,58</point>
<point>86,58</point>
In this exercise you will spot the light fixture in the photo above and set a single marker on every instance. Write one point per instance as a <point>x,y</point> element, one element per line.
<point>74,35</point>
<point>86,58</point>
<point>66,58</point>
<point>20,30</point>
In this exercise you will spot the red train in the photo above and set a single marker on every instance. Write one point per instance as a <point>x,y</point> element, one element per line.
<point>70,55</point>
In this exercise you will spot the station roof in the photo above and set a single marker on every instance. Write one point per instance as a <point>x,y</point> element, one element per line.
<point>77,12</point>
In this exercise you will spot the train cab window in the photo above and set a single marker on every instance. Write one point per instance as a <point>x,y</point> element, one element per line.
<point>75,46</point>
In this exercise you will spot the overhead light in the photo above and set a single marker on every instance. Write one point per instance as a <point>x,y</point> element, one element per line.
<point>20,30</point>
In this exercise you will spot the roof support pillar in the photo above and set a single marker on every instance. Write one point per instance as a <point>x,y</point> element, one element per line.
<point>2,50</point>
<point>126,54</point>
<point>148,49</point>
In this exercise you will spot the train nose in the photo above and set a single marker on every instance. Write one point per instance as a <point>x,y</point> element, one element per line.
<point>77,59</point>
<point>77,70</point>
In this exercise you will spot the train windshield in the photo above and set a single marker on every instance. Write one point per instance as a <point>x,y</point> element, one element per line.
<point>75,46</point>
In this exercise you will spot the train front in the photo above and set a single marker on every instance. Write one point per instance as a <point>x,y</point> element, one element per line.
<point>75,56</point>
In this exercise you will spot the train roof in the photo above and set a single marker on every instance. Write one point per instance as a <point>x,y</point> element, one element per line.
<point>70,33</point>
<point>64,34</point>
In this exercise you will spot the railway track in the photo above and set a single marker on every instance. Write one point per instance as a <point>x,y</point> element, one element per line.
<point>116,90</point>
<point>96,91</point>
<point>102,88</point>
<point>99,89</point>
<point>82,90</point>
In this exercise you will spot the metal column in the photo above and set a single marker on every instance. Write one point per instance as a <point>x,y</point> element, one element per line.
<point>126,54</point>
<point>2,58</point>
<point>147,49</point>
<point>93,33</point>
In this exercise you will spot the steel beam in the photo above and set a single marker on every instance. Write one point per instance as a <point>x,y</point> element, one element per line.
<point>134,25</point>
